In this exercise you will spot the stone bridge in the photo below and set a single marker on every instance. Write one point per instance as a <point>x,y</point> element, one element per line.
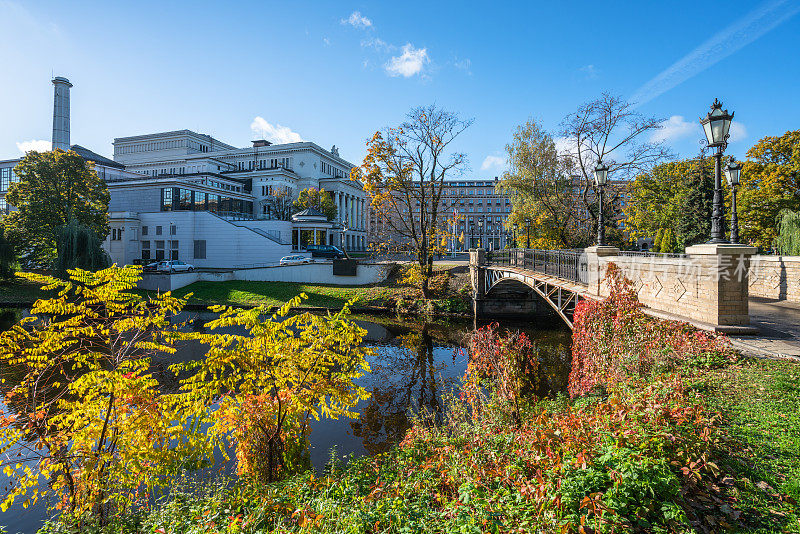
<point>709,286</point>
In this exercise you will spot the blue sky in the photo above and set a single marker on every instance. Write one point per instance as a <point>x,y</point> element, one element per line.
<point>333,73</point>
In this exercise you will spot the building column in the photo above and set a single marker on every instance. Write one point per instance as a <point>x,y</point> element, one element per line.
<point>336,203</point>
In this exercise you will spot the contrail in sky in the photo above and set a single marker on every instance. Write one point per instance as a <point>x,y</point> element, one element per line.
<point>741,33</point>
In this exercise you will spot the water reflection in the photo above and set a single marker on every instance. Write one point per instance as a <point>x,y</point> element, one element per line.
<point>407,378</point>
<point>415,364</point>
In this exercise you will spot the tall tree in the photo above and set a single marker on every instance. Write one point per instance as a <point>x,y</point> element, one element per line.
<point>404,172</point>
<point>540,188</point>
<point>770,182</point>
<point>696,204</point>
<point>610,130</point>
<point>674,195</point>
<point>7,256</point>
<point>79,247</point>
<point>54,188</point>
<point>319,199</point>
<point>788,240</point>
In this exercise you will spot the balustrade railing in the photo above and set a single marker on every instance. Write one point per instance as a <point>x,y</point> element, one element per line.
<point>565,264</point>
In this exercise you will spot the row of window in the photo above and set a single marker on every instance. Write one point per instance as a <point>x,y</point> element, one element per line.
<point>174,245</point>
<point>332,170</point>
<point>7,177</point>
<point>180,199</point>
<point>468,193</point>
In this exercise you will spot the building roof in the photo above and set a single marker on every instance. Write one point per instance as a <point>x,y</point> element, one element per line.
<point>87,154</point>
<point>309,212</point>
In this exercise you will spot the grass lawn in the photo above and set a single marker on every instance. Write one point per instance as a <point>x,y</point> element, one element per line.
<point>760,404</point>
<point>275,293</point>
<point>388,293</point>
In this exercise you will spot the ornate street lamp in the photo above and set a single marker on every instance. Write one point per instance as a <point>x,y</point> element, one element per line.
<point>516,227</point>
<point>600,180</point>
<point>528,233</point>
<point>471,233</point>
<point>480,232</point>
<point>732,171</point>
<point>716,126</point>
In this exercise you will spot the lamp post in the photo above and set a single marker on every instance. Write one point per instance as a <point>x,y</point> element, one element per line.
<point>344,229</point>
<point>600,180</point>
<point>471,233</point>
<point>516,227</point>
<point>716,125</point>
<point>480,232</point>
<point>527,233</point>
<point>732,171</point>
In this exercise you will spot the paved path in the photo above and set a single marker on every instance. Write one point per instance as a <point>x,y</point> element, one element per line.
<point>779,329</point>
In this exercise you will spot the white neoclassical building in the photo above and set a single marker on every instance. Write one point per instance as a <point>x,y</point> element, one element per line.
<point>185,195</point>
<point>200,200</point>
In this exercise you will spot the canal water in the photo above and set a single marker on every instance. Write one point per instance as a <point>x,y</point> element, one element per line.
<point>416,365</point>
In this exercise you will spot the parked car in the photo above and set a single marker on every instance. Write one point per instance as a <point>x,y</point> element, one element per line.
<point>326,251</point>
<point>295,259</point>
<point>169,266</point>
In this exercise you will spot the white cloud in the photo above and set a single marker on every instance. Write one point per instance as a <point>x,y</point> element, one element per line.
<point>378,44</point>
<point>326,41</point>
<point>675,128</point>
<point>590,71</point>
<point>738,132</point>
<point>493,162</point>
<point>274,132</point>
<point>39,145</point>
<point>725,42</point>
<point>357,20</point>
<point>464,65</point>
<point>409,63</point>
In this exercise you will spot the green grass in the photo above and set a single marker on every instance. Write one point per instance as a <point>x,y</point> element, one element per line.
<point>238,292</point>
<point>760,404</point>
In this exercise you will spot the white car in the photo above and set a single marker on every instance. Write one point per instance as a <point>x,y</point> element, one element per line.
<point>295,259</point>
<point>170,266</point>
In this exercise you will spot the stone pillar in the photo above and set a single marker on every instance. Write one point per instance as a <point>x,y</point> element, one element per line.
<point>477,273</point>
<point>596,267</point>
<point>723,282</point>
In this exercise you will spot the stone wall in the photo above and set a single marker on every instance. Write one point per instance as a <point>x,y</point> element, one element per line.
<point>775,277</point>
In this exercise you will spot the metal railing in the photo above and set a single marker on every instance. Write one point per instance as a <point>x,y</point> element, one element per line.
<point>566,264</point>
<point>641,254</point>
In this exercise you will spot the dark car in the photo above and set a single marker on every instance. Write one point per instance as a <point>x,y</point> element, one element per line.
<point>325,251</point>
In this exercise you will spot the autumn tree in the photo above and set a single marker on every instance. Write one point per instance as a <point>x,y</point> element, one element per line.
<point>319,199</point>
<point>540,188</point>
<point>693,219</point>
<point>54,188</point>
<point>83,418</point>
<point>610,130</point>
<point>675,195</point>
<point>404,173</point>
<point>770,183</point>
<point>270,379</point>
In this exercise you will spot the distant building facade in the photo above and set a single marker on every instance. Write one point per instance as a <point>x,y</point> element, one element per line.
<point>471,212</point>
<point>188,196</point>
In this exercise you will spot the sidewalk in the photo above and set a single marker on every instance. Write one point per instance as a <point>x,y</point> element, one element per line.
<point>778,323</point>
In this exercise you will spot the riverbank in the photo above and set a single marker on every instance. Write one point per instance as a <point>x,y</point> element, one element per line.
<point>666,429</point>
<point>449,287</point>
<point>487,477</point>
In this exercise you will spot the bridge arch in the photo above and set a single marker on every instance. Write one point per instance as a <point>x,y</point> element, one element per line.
<point>562,300</point>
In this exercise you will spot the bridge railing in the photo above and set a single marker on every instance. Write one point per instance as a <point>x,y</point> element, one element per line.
<point>565,264</point>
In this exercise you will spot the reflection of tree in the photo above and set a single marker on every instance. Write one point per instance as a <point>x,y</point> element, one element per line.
<point>405,379</point>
